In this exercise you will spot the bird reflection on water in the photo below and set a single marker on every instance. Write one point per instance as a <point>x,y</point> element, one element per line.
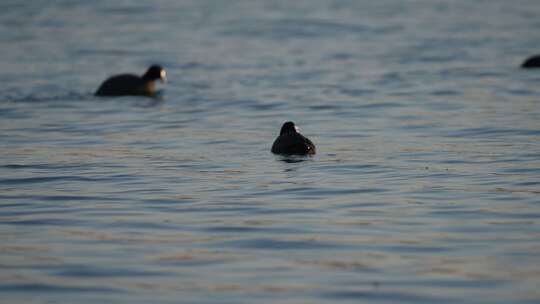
<point>291,159</point>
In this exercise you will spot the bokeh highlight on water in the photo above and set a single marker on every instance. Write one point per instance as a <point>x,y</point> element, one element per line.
<point>425,187</point>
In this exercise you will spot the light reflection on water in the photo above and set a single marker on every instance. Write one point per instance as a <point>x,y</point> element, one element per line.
<point>424,188</point>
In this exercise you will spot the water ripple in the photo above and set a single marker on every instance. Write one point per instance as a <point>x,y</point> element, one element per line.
<point>51,288</point>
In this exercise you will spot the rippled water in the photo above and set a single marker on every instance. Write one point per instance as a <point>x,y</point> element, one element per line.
<point>425,188</point>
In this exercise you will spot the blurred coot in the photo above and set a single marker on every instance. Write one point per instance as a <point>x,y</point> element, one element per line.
<point>290,142</point>
<point>130,84</point>
<point>531,62</point>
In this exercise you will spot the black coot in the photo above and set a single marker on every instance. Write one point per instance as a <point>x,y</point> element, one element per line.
<point>129,84</point>
<point>531,62</point>
<point>290,142</point>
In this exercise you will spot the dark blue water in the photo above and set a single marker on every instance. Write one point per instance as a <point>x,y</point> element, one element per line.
<point>425,188</point>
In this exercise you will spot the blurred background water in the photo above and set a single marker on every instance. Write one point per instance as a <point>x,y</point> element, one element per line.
<point>425,187</point>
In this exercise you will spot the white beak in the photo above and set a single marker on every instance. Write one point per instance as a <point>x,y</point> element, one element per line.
<point>163,76</point>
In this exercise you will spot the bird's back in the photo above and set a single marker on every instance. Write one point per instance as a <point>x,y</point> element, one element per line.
<point>293,144</point>
<point>125,84</point>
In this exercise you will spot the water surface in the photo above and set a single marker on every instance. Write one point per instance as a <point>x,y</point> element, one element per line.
<point>425,187</point>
